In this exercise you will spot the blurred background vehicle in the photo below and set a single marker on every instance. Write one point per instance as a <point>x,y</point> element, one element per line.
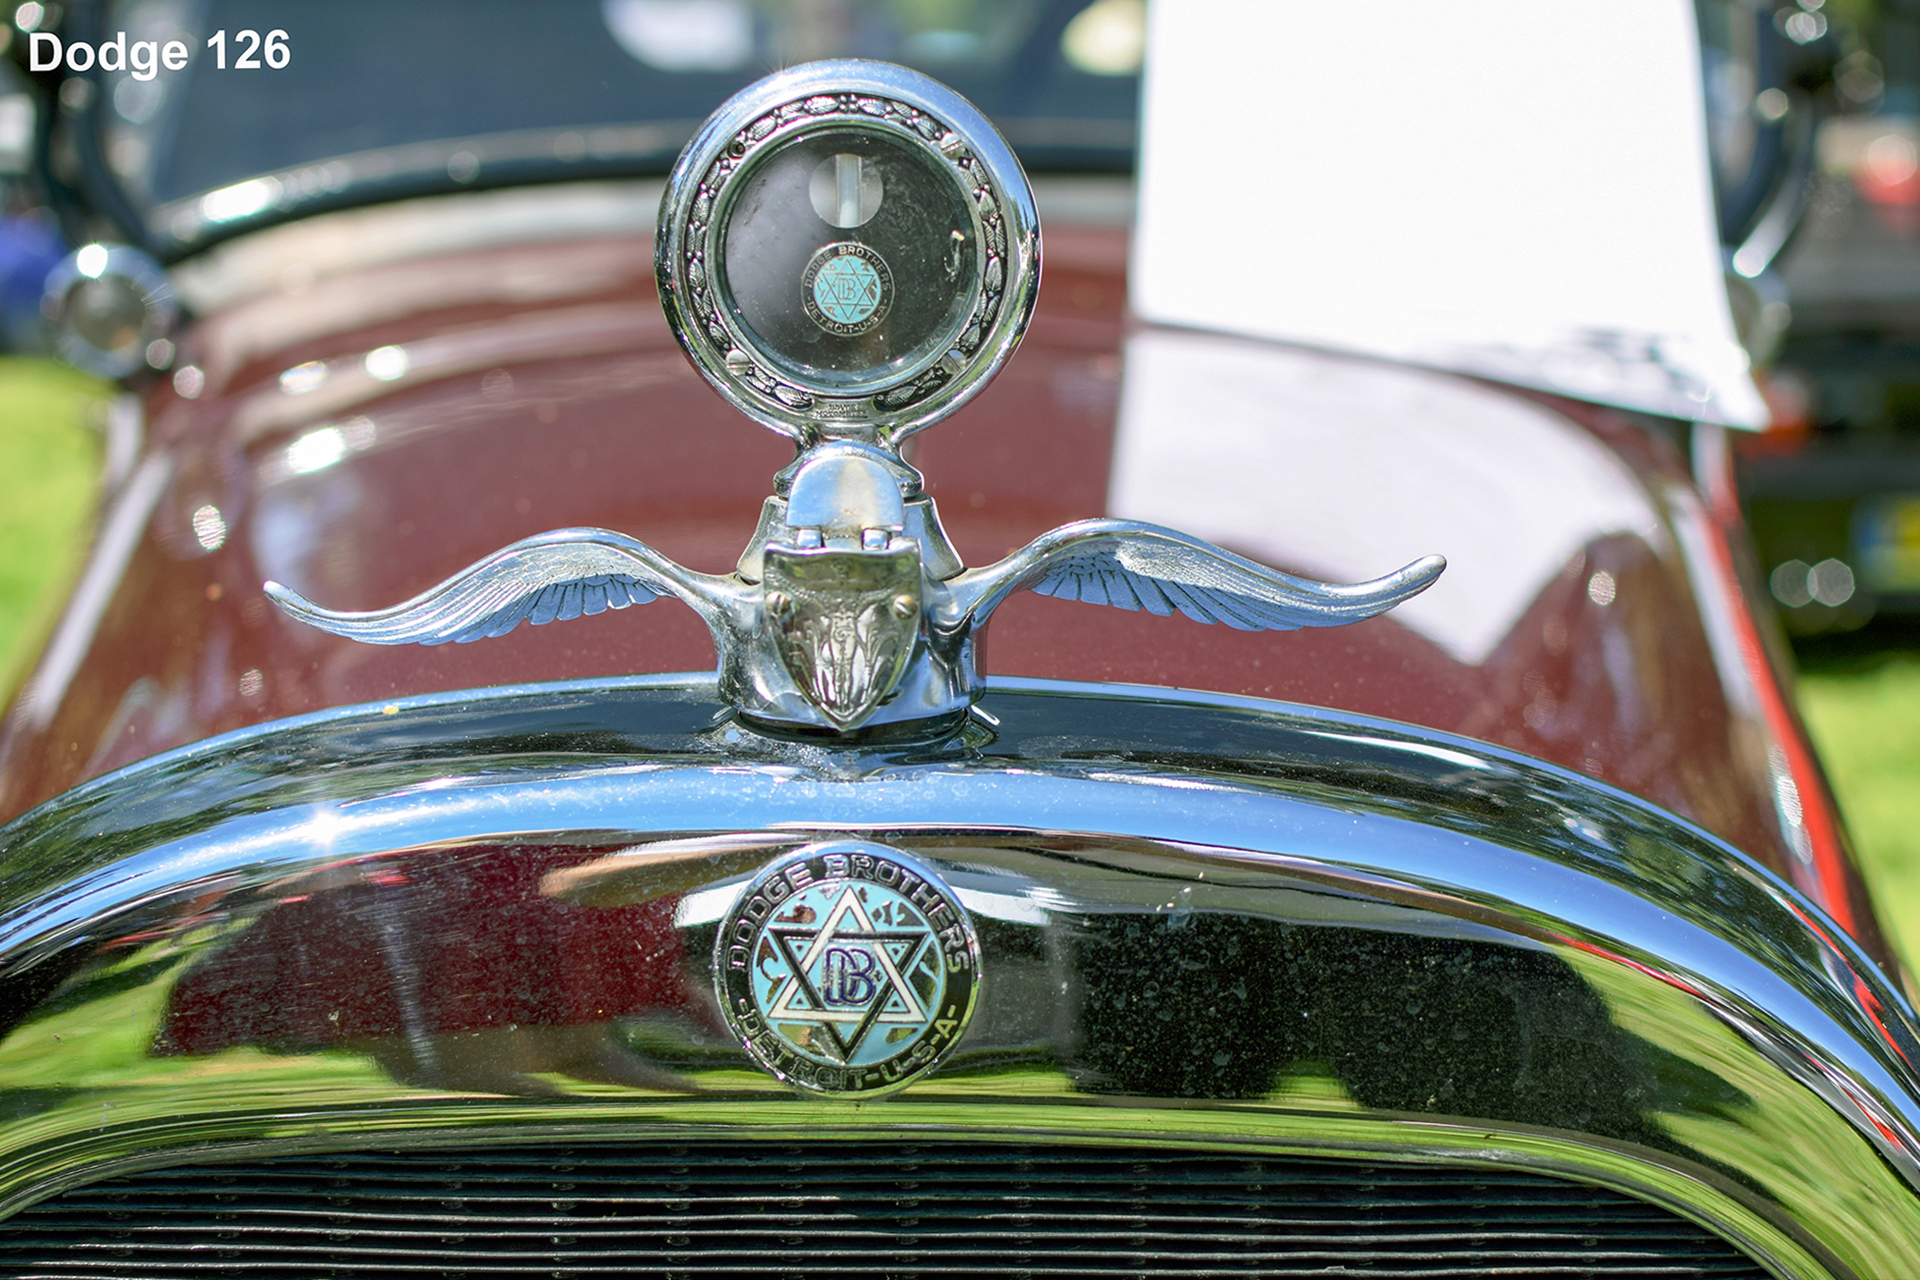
<point>1832,489</point>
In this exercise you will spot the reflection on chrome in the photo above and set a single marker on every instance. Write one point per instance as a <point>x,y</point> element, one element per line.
<point>91,260</point>
<point>1464,759</point>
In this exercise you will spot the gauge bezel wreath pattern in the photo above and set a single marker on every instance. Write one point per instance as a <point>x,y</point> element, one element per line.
<point>939,382</point>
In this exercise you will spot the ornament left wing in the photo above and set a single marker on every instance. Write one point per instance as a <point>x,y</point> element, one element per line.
<point>550,577</point>
<point>1133,565</point>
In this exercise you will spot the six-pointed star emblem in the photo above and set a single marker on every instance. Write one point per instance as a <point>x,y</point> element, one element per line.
<point>869,985</point>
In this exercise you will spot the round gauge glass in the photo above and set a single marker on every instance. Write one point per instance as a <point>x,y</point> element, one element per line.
<point>849,257</point>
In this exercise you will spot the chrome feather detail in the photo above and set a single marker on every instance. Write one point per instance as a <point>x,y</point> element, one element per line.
<point>790,652</point>
<point>1132,565</point>
<point>551,577</point>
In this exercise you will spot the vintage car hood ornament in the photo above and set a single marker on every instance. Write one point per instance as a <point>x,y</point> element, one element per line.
<point>848,252</point>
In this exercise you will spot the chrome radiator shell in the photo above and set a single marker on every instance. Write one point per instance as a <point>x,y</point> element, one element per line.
<point>1673,1021</point>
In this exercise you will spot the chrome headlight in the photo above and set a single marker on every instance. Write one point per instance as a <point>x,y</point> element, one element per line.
<point>110,309</point>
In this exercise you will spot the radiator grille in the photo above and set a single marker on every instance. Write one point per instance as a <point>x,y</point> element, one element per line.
<point>843,1209</point>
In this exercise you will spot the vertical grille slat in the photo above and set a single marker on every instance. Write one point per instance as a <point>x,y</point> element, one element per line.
<point>845,1209</point>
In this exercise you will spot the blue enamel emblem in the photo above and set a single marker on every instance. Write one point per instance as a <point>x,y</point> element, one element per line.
<point>847,968</point>
<point>846,289</point>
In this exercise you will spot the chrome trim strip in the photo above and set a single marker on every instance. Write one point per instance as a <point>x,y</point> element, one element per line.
<point>126,523</point>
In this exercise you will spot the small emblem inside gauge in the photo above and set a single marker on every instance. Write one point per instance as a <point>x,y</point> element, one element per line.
<point>847,289</point>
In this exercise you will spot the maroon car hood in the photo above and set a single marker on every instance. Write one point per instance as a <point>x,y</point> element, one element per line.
<point>542,389</point>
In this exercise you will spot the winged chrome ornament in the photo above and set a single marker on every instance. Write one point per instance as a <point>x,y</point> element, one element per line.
<point>794,225</point>
<point>846,622</point>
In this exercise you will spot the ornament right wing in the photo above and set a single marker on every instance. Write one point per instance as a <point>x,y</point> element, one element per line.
<point>550,577</point>
<point>1133,565</point>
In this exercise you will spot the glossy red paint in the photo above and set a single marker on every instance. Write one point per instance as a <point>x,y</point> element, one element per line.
<point>546,391</point>
<point>1767,665</point>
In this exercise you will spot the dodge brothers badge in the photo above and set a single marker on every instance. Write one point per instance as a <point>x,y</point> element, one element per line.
<point>847,251</point>
<point>847,968</point>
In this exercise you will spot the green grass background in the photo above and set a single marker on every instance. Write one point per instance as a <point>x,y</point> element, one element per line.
<point>1861,695</point>
<point>1861,700</point>
<point>49,464</point>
